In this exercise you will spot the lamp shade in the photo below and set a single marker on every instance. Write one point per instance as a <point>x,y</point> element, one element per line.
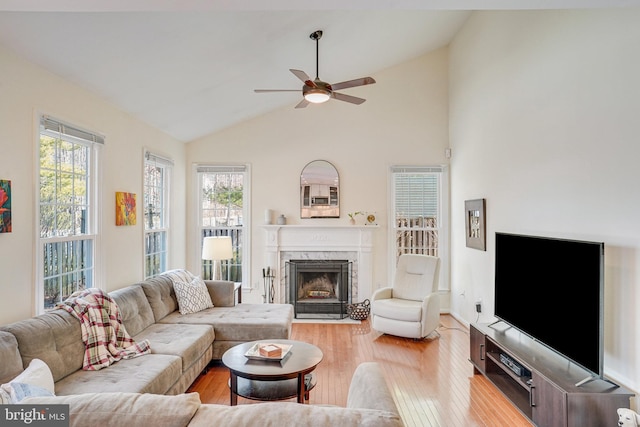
<point>217,248</point>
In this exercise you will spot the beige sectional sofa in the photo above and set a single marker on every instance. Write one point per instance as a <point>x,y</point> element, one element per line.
<point>181,345</point>
<point>134,391</point>
<point>369,404</point>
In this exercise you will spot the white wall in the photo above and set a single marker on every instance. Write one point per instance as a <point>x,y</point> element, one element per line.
<point>26,91</point>
<point>403,121</point>
<point>544,125</point>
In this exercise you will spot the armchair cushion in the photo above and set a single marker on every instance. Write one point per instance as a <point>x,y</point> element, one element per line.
<point>399,309</point>
<point>416,276</point>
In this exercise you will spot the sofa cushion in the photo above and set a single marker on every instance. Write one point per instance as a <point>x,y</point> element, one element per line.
<point>161,296</point>
<point>151,373</point>
<point>189,342</point>
<point>134,308</point>
<point>192,296</point>
<point>125,409</point>
<point>244,322</point>
<point>292,414</point>
<point>11,364</point>
<point>54,337</point>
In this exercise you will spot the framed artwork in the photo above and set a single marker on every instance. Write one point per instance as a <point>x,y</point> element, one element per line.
<point>125,208</point>
<point>5,206</point>
<point>475,224</point>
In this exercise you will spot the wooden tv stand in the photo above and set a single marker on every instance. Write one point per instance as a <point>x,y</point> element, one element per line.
<point>547,394</point>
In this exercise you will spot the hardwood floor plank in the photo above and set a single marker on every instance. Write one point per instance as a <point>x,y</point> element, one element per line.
<point>432,380</point>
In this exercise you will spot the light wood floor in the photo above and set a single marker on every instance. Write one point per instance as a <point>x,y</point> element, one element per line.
<point>432,380</point>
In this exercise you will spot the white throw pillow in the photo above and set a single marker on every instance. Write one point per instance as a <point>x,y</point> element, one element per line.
<point>192,296</point>
<point>37,374</point>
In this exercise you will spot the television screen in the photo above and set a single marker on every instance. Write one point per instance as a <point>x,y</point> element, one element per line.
<point>552,290</point>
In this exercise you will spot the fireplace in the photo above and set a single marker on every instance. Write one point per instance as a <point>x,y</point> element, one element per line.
<point>319,288</point>
<point>285,243</point>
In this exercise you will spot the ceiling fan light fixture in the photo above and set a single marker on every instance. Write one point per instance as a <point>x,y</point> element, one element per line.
<point>316,96</point>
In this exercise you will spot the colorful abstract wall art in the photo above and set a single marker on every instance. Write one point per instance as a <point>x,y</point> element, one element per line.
<point>125,208</point>
<point>5,206</point>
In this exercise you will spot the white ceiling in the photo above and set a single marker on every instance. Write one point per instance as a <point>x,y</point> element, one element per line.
<point>189,68</point>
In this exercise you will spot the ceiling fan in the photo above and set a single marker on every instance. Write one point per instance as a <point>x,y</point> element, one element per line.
<point>316,91</point>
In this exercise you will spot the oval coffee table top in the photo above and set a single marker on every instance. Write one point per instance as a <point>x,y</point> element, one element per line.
<point>303,358</point>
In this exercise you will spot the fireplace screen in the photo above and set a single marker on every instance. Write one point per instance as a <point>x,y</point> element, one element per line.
<point>319,288</point>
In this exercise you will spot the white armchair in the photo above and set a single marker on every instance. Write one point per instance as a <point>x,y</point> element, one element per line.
<point>411,308</point>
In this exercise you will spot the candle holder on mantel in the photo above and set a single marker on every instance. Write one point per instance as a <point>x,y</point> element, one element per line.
<point>269,290</point>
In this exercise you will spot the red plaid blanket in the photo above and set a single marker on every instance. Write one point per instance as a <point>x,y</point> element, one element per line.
<point>103,333</point>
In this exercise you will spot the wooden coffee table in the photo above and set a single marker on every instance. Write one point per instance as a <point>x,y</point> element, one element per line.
<point>272,379</point>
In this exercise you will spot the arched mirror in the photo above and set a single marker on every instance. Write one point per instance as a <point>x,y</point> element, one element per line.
<point>319,190</point>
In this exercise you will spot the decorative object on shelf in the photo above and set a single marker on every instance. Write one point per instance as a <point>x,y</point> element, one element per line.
<point>269,289</point>
<point>371,218</point>
<point>352,217</point>
<point>268,213</point>
<point>475,224</point>
<point>282,220</point>
<point>5,206</point>
<point>216,249</point>
<point>125,208</point>
<point>359,310</point>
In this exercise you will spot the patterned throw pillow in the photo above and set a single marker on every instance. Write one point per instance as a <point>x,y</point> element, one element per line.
<point>192,296</point>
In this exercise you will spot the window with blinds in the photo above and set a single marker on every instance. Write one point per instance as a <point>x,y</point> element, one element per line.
<point>67,209</point>
<point>416,195</point>
<point>156,213</point>
<point>223,211</point>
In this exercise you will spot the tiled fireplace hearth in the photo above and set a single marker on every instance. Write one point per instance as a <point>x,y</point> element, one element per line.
<point>353,244</point>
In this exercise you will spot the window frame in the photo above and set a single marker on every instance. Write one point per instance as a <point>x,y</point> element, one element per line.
<point>245,252</point>
<point>166,164</point>
<point>442,215</point>
<point>93,221</point>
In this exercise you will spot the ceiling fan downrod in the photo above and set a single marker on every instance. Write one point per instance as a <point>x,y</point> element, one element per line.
<point>316,35</point>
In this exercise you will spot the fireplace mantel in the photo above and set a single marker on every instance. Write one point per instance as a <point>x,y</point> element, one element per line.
<point>308,239</point>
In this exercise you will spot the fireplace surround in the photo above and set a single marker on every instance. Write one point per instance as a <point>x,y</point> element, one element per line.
<point>352,243</point>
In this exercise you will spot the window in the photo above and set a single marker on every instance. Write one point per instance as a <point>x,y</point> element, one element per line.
<point>67,209</point>
<point>156,213</point>
<point>419,212</point>
<point>223,211</point>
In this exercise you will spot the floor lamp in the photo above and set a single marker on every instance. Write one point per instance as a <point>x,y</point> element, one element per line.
<point>217,248</point>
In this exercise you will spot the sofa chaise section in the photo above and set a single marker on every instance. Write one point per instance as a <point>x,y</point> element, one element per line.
<point>232,324</point>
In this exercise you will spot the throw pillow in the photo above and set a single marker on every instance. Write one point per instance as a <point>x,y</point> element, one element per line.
<point>5,397</point>
<point>37,375</point>
<point>192,296</point>
<point>21,391</point>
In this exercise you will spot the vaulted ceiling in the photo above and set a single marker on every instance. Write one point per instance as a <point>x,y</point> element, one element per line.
<point>190,68</point>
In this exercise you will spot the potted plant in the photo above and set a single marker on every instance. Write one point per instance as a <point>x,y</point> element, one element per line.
<point>352,216</point>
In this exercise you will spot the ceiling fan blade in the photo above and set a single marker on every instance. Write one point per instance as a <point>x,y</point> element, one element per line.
<point>353,83</point>
<point>275,90</point>
<point>347,98</point>
<point>303,76</point>
<point>302,103</point>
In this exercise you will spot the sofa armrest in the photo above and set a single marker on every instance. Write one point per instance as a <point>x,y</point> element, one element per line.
<point>369,390</point>
<point>222,292</point>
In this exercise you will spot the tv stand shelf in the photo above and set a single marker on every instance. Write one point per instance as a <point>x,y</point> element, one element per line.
<point>546,392</point>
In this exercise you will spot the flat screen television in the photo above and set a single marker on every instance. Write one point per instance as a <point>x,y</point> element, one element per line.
<point>552,290</point>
